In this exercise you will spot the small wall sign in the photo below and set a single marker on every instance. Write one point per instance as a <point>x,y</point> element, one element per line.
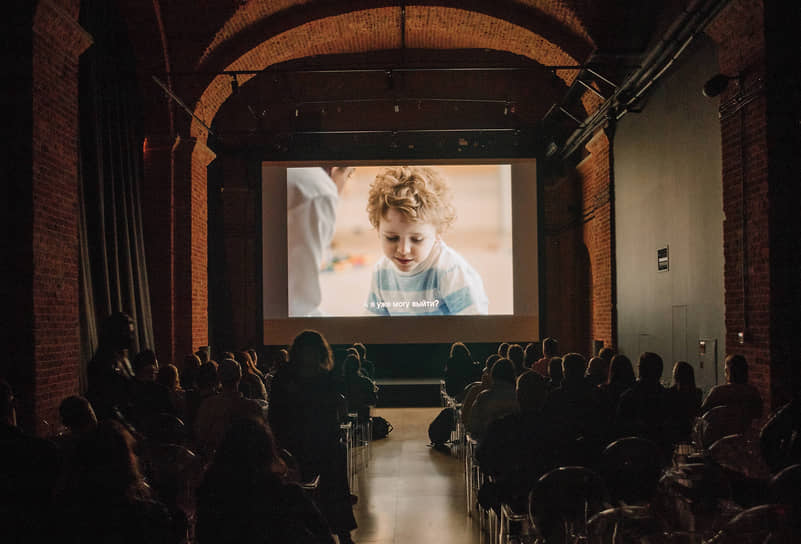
<point>662,259</point>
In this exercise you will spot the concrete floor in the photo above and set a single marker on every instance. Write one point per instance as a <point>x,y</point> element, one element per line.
<point>411,493</point>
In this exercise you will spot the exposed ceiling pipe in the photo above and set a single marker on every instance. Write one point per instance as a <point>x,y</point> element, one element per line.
<point>689,24</point>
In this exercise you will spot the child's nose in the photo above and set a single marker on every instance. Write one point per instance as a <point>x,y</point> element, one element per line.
<point>405,245</point>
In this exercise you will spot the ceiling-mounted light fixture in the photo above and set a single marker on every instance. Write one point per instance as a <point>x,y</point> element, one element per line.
<point>717,84</point>
<point>234,85</point>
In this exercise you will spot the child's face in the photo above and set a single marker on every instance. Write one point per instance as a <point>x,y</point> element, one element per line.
<point>406,243</point>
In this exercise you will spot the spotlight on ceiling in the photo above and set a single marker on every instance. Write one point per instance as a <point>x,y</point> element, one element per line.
<point>716,85</point>
<point>234,85</point>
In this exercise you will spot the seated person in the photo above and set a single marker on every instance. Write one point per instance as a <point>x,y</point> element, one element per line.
<point>475,388</point>
<point>410,208</point>
<point>530,355</point>
<point>148,397</point>
<point>368,367</point>
<point>169,377</point>
<point>550,349</point>
<point>643,409</point>
<point>516,355</point>
<point>555,373</point>
<point>460,370</point>
<point>684,399</point>
<point>736,392</point>
<point>516,449</point>
<point>245,496</point>
<point>497,401</point>
<point>574,408</point>
<point>105,498</point>
<point>217,412</point>
<point>208,382</point>
<point>252,384</point>
<point>358,389</point>
<point>597,371</point>
<point>621,378</point>
<point>29,469</point>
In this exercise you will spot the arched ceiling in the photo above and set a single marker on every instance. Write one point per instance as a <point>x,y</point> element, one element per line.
<point>203,38</point>
<point>426,27</point>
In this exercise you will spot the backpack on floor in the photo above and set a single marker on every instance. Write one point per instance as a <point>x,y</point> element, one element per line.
<point>439,432</point>
<point>381,427</point>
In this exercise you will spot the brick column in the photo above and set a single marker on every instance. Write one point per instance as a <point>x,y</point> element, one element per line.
<point>761,229</point>
<point>190,159</point>
<point>159,231</point>
<point>598,219</point>
<point>51,372</point>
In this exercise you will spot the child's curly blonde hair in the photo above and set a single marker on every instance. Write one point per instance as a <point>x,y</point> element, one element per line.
<point>419,193</point>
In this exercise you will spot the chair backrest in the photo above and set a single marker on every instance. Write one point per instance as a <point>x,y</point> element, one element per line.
<point>631,469</point>
<point>626,524</point>
<point>785,487</point>
<point>572,494</point>
<point>718,422</point>
<point>736,453</point>
<point>765,523</point>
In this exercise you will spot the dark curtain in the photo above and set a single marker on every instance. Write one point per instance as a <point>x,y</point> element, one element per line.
<point>112,253</point>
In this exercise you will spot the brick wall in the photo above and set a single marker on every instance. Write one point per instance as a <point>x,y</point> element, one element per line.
<point>58,42</point>
<point>761,229</point>
<point>598,236</point>
<point>579,253</point>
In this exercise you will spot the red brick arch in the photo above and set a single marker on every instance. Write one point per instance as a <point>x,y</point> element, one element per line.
<point>433,27</point>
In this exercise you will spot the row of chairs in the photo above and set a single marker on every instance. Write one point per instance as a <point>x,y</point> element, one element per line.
<point>617,503</point>
<point>356,434</point>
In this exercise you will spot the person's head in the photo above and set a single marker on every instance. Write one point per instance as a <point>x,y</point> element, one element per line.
<point>351,366</point>
<point>531,391</point>
<point>684,376</point>
<point>146,366</point>
<point>503,349</point>
<point>8,405</point>
<point>253,356</point>
<point>410,207</point>
<point>77,415</point>
<point>230,375</point>
<point>606,353</point>
<point>503,371</point>
<point>202,355</point>
<point>736,369</point>
<point>515,354</point>
<point>621,371</point>
<point>555,370</point>
<point>310,354</point>
<point>247,454</point>
<point>169,377</point>
<point>339,175</point>
<point>116,332</point>
<point>573,366</point>
<point>105,465</point>
<point>650,367</point>
<point>207,378</point>
<point>460,351</point>
<point>362,350</point>
<point>353,351</point>
<point>189,371</point>
<point>550,347</point>
<point>531,354</point>
<point>598,368</point>
<point>245,362</point>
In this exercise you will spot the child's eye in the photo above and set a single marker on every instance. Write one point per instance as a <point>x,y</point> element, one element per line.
<point>391,238</point>
<point>417,240</point>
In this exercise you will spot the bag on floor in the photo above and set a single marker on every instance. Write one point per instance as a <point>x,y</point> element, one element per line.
<point>381,427</point>
<point>439,432</point>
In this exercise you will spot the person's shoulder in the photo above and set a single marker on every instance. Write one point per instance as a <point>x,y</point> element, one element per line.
<point>304,184</point>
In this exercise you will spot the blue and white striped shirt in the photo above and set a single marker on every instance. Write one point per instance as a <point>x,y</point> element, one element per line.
<point>443,284</point>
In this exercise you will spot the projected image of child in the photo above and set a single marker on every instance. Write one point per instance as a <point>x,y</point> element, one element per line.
<point>410,208</point>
